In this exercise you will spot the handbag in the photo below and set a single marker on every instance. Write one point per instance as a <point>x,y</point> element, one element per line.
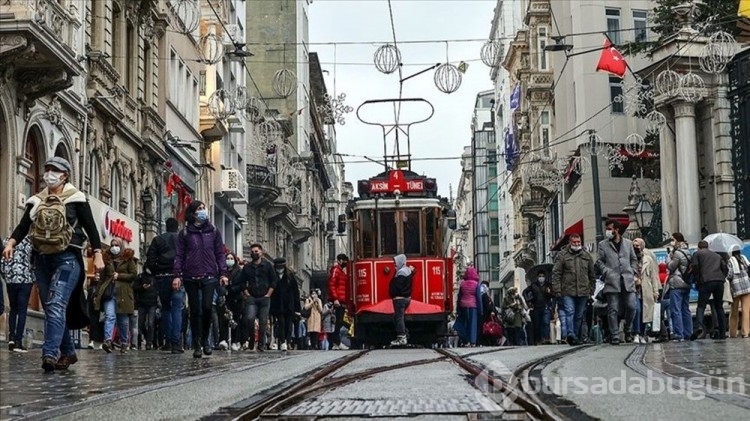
<point>109,291</point>
<point>492,328</point>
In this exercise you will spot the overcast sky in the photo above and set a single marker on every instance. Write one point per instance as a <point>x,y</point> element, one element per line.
<point>367,21</point>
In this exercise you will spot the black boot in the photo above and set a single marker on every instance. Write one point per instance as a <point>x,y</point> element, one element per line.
<point>207,350</point>
<point>197,349</point>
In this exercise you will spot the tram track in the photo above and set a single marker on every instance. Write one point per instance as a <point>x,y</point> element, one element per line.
<point>280,402</point>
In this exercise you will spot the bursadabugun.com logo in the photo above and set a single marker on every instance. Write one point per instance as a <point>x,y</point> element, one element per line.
<point>496,398</point>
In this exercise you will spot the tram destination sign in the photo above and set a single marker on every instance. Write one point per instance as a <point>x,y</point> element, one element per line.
<point>396,181</point>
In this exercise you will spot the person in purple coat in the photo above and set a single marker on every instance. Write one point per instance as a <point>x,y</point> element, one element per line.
<point>199,265</point>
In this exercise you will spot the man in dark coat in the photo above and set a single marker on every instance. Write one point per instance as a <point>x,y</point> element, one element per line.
<point>285,303</point>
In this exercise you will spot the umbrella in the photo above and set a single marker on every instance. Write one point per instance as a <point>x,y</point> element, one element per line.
<point>723,243</point>
<point>533,272</point>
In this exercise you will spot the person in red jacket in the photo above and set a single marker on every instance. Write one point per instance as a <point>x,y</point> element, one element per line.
<point>337,281</point>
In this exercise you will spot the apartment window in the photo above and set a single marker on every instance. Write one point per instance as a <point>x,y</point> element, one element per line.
<point>494,232</point>
<point>544,131</point>
<point>541,44</point>
<point>492,191</point>
<point>640,23</point>
<point>132,59</point>
<point>613,25</point>
<point>149,76</point>
<point>492,163</point>
<point>331,214</point>
<point>114,188</point>
<point>615,95</point>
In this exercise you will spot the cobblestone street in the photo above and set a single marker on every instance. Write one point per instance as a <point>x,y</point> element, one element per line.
<point>26,390</point>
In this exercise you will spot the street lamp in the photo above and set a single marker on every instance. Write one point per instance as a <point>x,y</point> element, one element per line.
<point>644,213</point>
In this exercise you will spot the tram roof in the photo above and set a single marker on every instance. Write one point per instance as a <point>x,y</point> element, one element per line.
<point>403,203</point>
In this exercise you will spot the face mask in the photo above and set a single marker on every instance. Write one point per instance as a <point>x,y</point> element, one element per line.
<point>280,271</point>
<point>230,263</point>
<point>52,178</point>
<point>540,279</point>
<point>637,249</point>
<point>609,234</point>
<point>115,250</point>
<point>575,248</point>
<point>255,256</point>
<point>343,265</point>
<point>201,215</point>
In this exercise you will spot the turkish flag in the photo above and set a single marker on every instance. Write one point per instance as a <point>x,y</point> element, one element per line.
<point>611,61</point>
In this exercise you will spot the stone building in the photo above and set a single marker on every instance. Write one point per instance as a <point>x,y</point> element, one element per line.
<point>292,174</point>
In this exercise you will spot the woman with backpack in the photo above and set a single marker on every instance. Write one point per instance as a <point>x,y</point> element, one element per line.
<point>199,265</point>
<point>116,295</point>
<point>59,220</point>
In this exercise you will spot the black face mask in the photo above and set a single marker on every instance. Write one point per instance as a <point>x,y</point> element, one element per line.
<point>343,265</point>
<point>255,256</point>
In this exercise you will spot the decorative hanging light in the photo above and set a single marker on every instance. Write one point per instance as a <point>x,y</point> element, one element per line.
<point>284,82</point>
<point>581,164</point>
<point>447,78</point>
<point>188,16</point>
<point>691,87</point>
<point>334,108</point>
<point>668,83</point>
<point>269,131</point>
<point>387,58</point>
<point>634,144</point>
<point>711,60</point>
<point>491,53</point>
<point>655,121</point>
<point>725,45</point>
<point>615,158</point>
<point>210,48</point>
<point>253,109</point>
<point>221,104</point>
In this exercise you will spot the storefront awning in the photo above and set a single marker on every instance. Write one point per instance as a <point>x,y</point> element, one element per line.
<point>576,228</point>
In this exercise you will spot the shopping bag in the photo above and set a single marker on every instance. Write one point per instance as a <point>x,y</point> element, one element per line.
<point>656,323</point>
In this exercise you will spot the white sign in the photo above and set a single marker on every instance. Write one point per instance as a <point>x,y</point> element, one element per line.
<point>113,224</point>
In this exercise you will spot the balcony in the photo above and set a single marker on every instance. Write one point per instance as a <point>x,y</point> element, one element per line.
<point>233,184</point>
<point>534,204</point>
<point>261,186</point>
<point>35,43</point>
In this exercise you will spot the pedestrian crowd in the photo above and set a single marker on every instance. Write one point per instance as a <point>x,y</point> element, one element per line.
<point>191,293</point>
<point>620,294</point>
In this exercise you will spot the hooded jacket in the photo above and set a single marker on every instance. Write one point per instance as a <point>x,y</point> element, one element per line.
<point>400,285</point>
<point>469,291</point>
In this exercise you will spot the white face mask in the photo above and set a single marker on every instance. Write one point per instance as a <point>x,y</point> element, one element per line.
<point>540,279</point>
<point>115,250</point>
<point>575,248</point>
<point>609,234</point>
<point>230,263</point>
<point>53,178</point>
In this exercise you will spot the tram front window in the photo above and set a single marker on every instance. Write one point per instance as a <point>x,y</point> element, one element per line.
<point>412,237</point>
<point>367,230</point>
<point>388,238</point>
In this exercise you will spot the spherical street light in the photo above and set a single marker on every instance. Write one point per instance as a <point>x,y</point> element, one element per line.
<point>447,78</point>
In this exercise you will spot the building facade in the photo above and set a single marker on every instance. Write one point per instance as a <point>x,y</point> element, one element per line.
<point>294,173</point>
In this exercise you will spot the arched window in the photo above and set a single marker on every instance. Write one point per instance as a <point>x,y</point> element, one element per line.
<point>114,187</point>
<point>32,184</point>
<point>62,152</point>
<point>94,176</point>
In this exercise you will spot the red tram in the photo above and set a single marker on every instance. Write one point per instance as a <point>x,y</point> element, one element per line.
<point>399,212</point>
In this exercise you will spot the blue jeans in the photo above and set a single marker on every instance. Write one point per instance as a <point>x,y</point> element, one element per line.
<point>679,311</point>
<point>18,298</point>
<point>56,277</point>
<point>123,322</point>
<point>172,304</point>
<point>571,311</point>
<point>540,321</point>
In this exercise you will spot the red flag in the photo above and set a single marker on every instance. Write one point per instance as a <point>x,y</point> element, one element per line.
<point>611,61</point>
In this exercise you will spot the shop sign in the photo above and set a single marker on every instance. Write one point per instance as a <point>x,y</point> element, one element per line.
<point>112,224</point>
